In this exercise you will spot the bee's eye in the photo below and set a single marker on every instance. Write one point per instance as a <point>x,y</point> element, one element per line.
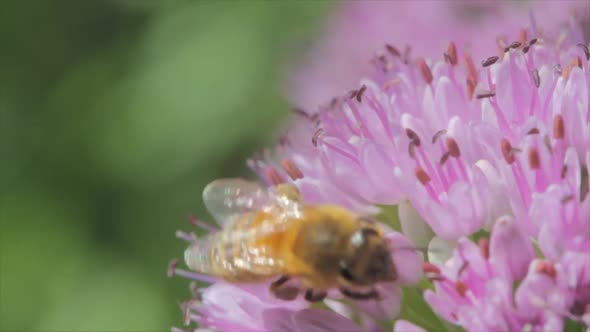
<point>345,272</point>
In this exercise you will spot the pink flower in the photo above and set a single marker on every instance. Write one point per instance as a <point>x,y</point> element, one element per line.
<point>339,56</point>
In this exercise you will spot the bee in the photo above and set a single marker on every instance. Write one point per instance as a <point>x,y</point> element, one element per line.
<point>270,234</point>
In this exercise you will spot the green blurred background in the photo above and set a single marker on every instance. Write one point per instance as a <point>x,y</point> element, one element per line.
<point>113,116</point>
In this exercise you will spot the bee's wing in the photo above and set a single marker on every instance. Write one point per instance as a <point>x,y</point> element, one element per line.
<point>229,199</point>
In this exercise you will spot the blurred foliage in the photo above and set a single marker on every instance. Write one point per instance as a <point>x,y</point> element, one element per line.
<point>113,116</point>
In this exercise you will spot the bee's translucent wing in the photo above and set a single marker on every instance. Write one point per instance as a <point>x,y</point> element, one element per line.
<point>245,250</point>
<point>229,199</point>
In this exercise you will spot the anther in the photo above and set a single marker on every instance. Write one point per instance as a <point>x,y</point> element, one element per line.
<point>412,149</point>
<point>534,158</point>
<point>274,176</point>
<point>536,78</point>
<point>292,170</point>
<point>489,61</point>
<point>453,148</point>
<point>471,84</point>
<point>563,171</point>
<point>392,50</point>
<point>461,288</point>
<point>316,136</point>
<point>484,247</point>
<point>444,158</point>
<point>422,176</point>
<point>428,267</point>
<point>533,42</point>
<point>172,268</point>
<point>413,136</point>
<point>523,36</point>
<point>486,94</point>
<point>451,54</point>
<point>300,112</point>
<point>566,199</point>
<point>586,51</point>
<point>471,69</point>
<point>547,268</point>
<point>438,134</point>
<point>425,70</point>
<point>547,142</point>
<point>558,127</point>
<point>359,95</point>
<point>515,44</point>
<point>507,151</point>
<point>525,49</point>
<point>533,131</point>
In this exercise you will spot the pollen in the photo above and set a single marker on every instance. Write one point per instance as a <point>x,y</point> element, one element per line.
<point>507,151</point>
<point>425,70</point>
<point>548,268</point>
<point>453,148</point>
<point>558,127</point>
<point>461,288</point>
<point>422,176</point>
<point>534,159</point>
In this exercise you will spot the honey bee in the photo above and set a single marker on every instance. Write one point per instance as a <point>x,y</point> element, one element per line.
<point>271,234</point>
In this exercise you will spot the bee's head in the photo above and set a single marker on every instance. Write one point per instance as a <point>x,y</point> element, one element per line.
<point>367,259</point>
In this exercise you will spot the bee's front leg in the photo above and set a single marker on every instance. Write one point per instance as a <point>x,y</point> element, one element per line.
<point>312,296</point>
<point>371,295</point>
<point>282,291</point>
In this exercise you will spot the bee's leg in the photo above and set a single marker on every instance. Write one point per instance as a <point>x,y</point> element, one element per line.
<point>283,292</point>
<point>311,296</point>
<point>371,295</point>
<point>290,191</point>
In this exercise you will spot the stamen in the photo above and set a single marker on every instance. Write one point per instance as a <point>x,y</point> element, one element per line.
<point>412,149</point>
<point>422,176</point>
<point>274,176</point>
<point>438,134</point>
<point>486,94</point>
<point>489,61</point>
<point>547,142</point>
<point>525,49</point>
<point>428,267</point>
<point>392,50</point>
<point>558,127</point>
<point>202,224</point>
<point>533,42</point>
<point>533,131</point>
<point>563,171</point>
<point>172,268</point>
<point>515,44</point>
<point>316,136</point>
<point>300,112</point>
<point>453,148</point>
<point>451,54</point>
<point>413,136</point>
<point>360,92</point>
<point>566,199</point>
<point>189,237</point>
<point>523,36</point>
<point>507,151</point>
<point>484,247</point>
<point>471,69</point>
<point>292,170</point>
<point>547,268</point>
<point>536,78</point>
<point>425,70</point>
<point>534,159</point>
<point>586,51</point>
<point>444,158</point>
<point>461,288</point>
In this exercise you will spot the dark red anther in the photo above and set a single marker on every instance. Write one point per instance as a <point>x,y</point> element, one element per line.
<point>392,50</point>
<point>523,36</point>
<point>566,199</point>
<point>558,127</point>
<point>534,158</point>
<point>428,267</point>
<point>507,151</point>
<point>563,171</point>
<point>525,49</point>
<point>438,134</point>
<point>489,61</point>
<point>536,78</point>
<point>471,69</point>
<point>471,84</point>
<point>172,268</point>
<point>461,288</point>
<point>359,95</point>
<point>316,136</point>
<point>586,51</point>
<point>274,176</point>
<point>533,131</point>
<point>533,42</point>
<point>444,158</point>
<point>548,268</point>
<point>484,247</point>
<point>422,176</point>
<point>453,147</point>
<point>425,70</point>
<point>412,149</point>
<point>292,169</point>
<point>451,54</point>
<point>485,94</point>
<point>413,136</point>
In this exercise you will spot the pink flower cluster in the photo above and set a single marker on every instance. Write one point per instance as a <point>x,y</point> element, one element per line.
<point>489,156</point>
